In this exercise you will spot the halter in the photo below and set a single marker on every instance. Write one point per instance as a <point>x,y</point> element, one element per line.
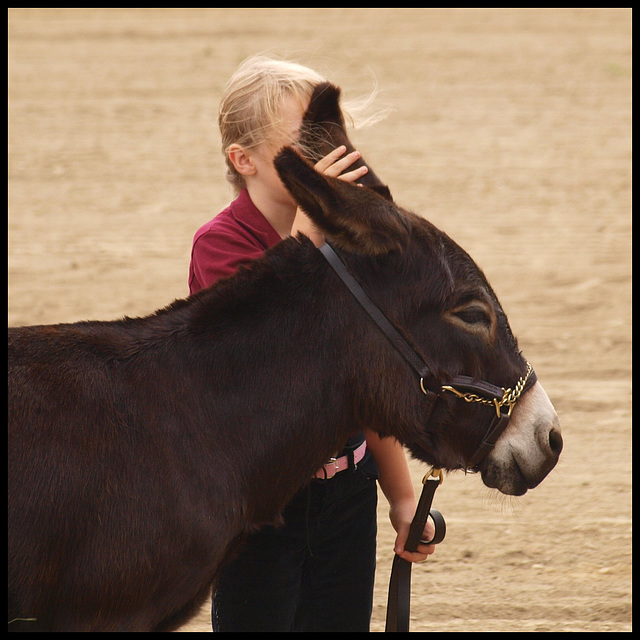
<point>465,387</point>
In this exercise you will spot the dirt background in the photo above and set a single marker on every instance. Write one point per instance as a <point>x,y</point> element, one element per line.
<point>510,129</point>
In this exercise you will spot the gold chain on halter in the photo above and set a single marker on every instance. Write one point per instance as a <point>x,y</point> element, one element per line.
<point>509,396</point>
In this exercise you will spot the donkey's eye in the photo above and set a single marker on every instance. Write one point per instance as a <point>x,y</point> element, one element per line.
<point>474,315</point>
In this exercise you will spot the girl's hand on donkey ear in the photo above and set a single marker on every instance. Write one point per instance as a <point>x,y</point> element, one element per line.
<point>334,163</point>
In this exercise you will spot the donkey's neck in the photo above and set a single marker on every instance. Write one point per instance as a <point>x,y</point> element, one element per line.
<point>279,342</point>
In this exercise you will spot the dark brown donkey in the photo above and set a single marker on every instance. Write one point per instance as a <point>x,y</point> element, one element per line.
<point>141,451</point>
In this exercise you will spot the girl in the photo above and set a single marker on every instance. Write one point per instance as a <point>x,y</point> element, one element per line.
<point>316,573</point>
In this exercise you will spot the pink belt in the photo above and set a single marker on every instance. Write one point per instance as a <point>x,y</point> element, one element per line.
<point>335,465</point>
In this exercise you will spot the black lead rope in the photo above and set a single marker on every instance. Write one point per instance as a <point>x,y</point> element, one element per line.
<point>399,599</point>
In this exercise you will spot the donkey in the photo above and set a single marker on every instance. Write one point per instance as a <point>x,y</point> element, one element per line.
<point>143,450</point>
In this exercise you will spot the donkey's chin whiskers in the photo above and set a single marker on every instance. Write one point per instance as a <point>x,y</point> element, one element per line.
<point>507,505</point>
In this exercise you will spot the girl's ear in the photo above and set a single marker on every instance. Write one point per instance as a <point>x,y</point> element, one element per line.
<point>241,160</point>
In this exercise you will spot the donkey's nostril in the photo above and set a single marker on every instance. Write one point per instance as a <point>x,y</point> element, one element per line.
<point>555,441</point>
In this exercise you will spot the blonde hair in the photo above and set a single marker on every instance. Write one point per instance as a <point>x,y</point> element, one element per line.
<point>251,108</point>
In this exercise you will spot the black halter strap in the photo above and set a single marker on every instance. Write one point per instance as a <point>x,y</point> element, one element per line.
<point>465,384</point>
<point>403,347</point>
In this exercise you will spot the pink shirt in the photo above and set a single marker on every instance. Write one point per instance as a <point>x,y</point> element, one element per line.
<point>235,236</point>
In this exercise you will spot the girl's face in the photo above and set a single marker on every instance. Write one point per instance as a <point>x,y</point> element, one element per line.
<point>264,153</point>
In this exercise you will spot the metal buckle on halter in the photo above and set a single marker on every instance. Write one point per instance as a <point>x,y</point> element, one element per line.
<point>434,473</point>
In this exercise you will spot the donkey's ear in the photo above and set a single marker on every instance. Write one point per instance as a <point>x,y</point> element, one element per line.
<point>323,130</point>
<point>324,106</point>
<point>354,218</point>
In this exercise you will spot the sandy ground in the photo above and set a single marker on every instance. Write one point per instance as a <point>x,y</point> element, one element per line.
<point>510,129</point>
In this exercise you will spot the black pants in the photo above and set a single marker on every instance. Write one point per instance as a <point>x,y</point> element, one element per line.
<point>314,574</point>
